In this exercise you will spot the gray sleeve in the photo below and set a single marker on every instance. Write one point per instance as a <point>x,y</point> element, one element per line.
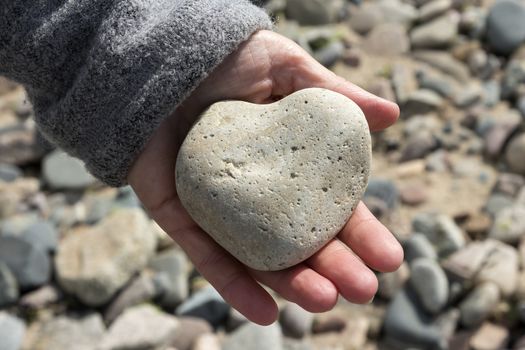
<point>102,74</point>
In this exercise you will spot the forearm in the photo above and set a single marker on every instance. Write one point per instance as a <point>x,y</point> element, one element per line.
<point>103,74</point>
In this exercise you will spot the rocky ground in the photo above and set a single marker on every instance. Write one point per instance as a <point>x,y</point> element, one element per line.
<point>83,267</point>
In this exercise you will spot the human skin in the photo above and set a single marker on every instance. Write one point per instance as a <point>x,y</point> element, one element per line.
<point>263,69</point>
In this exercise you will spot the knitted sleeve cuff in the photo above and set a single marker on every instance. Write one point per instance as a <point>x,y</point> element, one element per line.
<point>142,62</point>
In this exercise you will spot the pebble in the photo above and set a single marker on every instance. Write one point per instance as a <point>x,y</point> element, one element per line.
<point>515,154</point>
<point>314,12</point>
<point>82,332</point>
<point>254,337</point>
<point>478,305</point>
<point>490,337</point>
<point>385,190</point>
<point>422,101</point>
<point>12,331</point>
<point>437,33</point>
<point>433,9</point>
<point>418,246</point>
<point>408,326</point>
<point>208,341</point>
<point>497,202</point>
<point>94,263</point>
<point>140,290</point>
<point>387,39</point>
<point>8,286</point>
<point>42,235</point>
<point>509,184</point>
<point>500,266</point>
<point>41,297</point>
<point>444,234</point>
<point>506,26</point>
<point>330,54</point>
<point>207,304</point>
<point>9,173</point>
<point>329,324</point>
<point>418,146</point>
<point>29,264</point>
<point>61,171</point>
<point>295,321</point>
<point>174,264</point>
<point>429,283</point>
<point>396,11</point>
<point>498,135</point>
<point>254,166</point>
<point>509,224</point>
<point>364,18</point>
<point>141,327</point>
<point>19,146</point>
<point>189,330</point>
<point>478,225</point>
<point>444,62</point>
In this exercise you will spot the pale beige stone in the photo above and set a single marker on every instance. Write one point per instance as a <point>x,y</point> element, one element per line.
<point>273,183</point>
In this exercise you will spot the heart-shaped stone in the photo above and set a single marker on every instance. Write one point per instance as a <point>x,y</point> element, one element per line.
<point>274,183</point>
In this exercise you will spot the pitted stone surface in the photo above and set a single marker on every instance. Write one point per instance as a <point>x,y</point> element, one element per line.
<point>273,183</point>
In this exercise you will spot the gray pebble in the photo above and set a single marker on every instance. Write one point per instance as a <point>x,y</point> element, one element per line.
<point>478,305</point>
<point>207,304</point>
<point>430,284</point>
<point>29,264</point>
<point>506,26</point>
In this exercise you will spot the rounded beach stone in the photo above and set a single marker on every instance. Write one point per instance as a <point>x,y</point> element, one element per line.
<point>274,183</point>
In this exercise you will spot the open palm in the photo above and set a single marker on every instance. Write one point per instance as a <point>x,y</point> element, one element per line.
<point>265,68</point>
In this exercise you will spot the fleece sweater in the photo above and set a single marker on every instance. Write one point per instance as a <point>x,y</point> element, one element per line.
<point>103,74</point>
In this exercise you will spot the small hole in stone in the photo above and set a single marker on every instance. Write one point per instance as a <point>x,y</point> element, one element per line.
<point>313,229</point>
<point>325,189</point>
<point>305,102</point>
<point>294,148</point>
<point>293,175</point>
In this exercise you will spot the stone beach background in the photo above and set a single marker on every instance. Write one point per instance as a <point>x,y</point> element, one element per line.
<point>83,267</point>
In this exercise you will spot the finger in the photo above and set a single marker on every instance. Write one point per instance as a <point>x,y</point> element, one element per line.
<point>301,285</point>
<point>226,275</point>
<point>355,282</point>
<point>380,113</point>
<point>372,241</point>
<point>297,70</point>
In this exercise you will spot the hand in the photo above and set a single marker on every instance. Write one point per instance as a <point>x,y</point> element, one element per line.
<point>263,69</point>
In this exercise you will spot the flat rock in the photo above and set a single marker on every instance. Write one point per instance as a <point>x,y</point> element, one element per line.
<point>94,263</point>
<point>418,246</point>
<point>12,330</point>
<point>273,183</point>
<point>141,327</point>
<point>189,330</point>
<point>389,39</point>
<point>82,332</point>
